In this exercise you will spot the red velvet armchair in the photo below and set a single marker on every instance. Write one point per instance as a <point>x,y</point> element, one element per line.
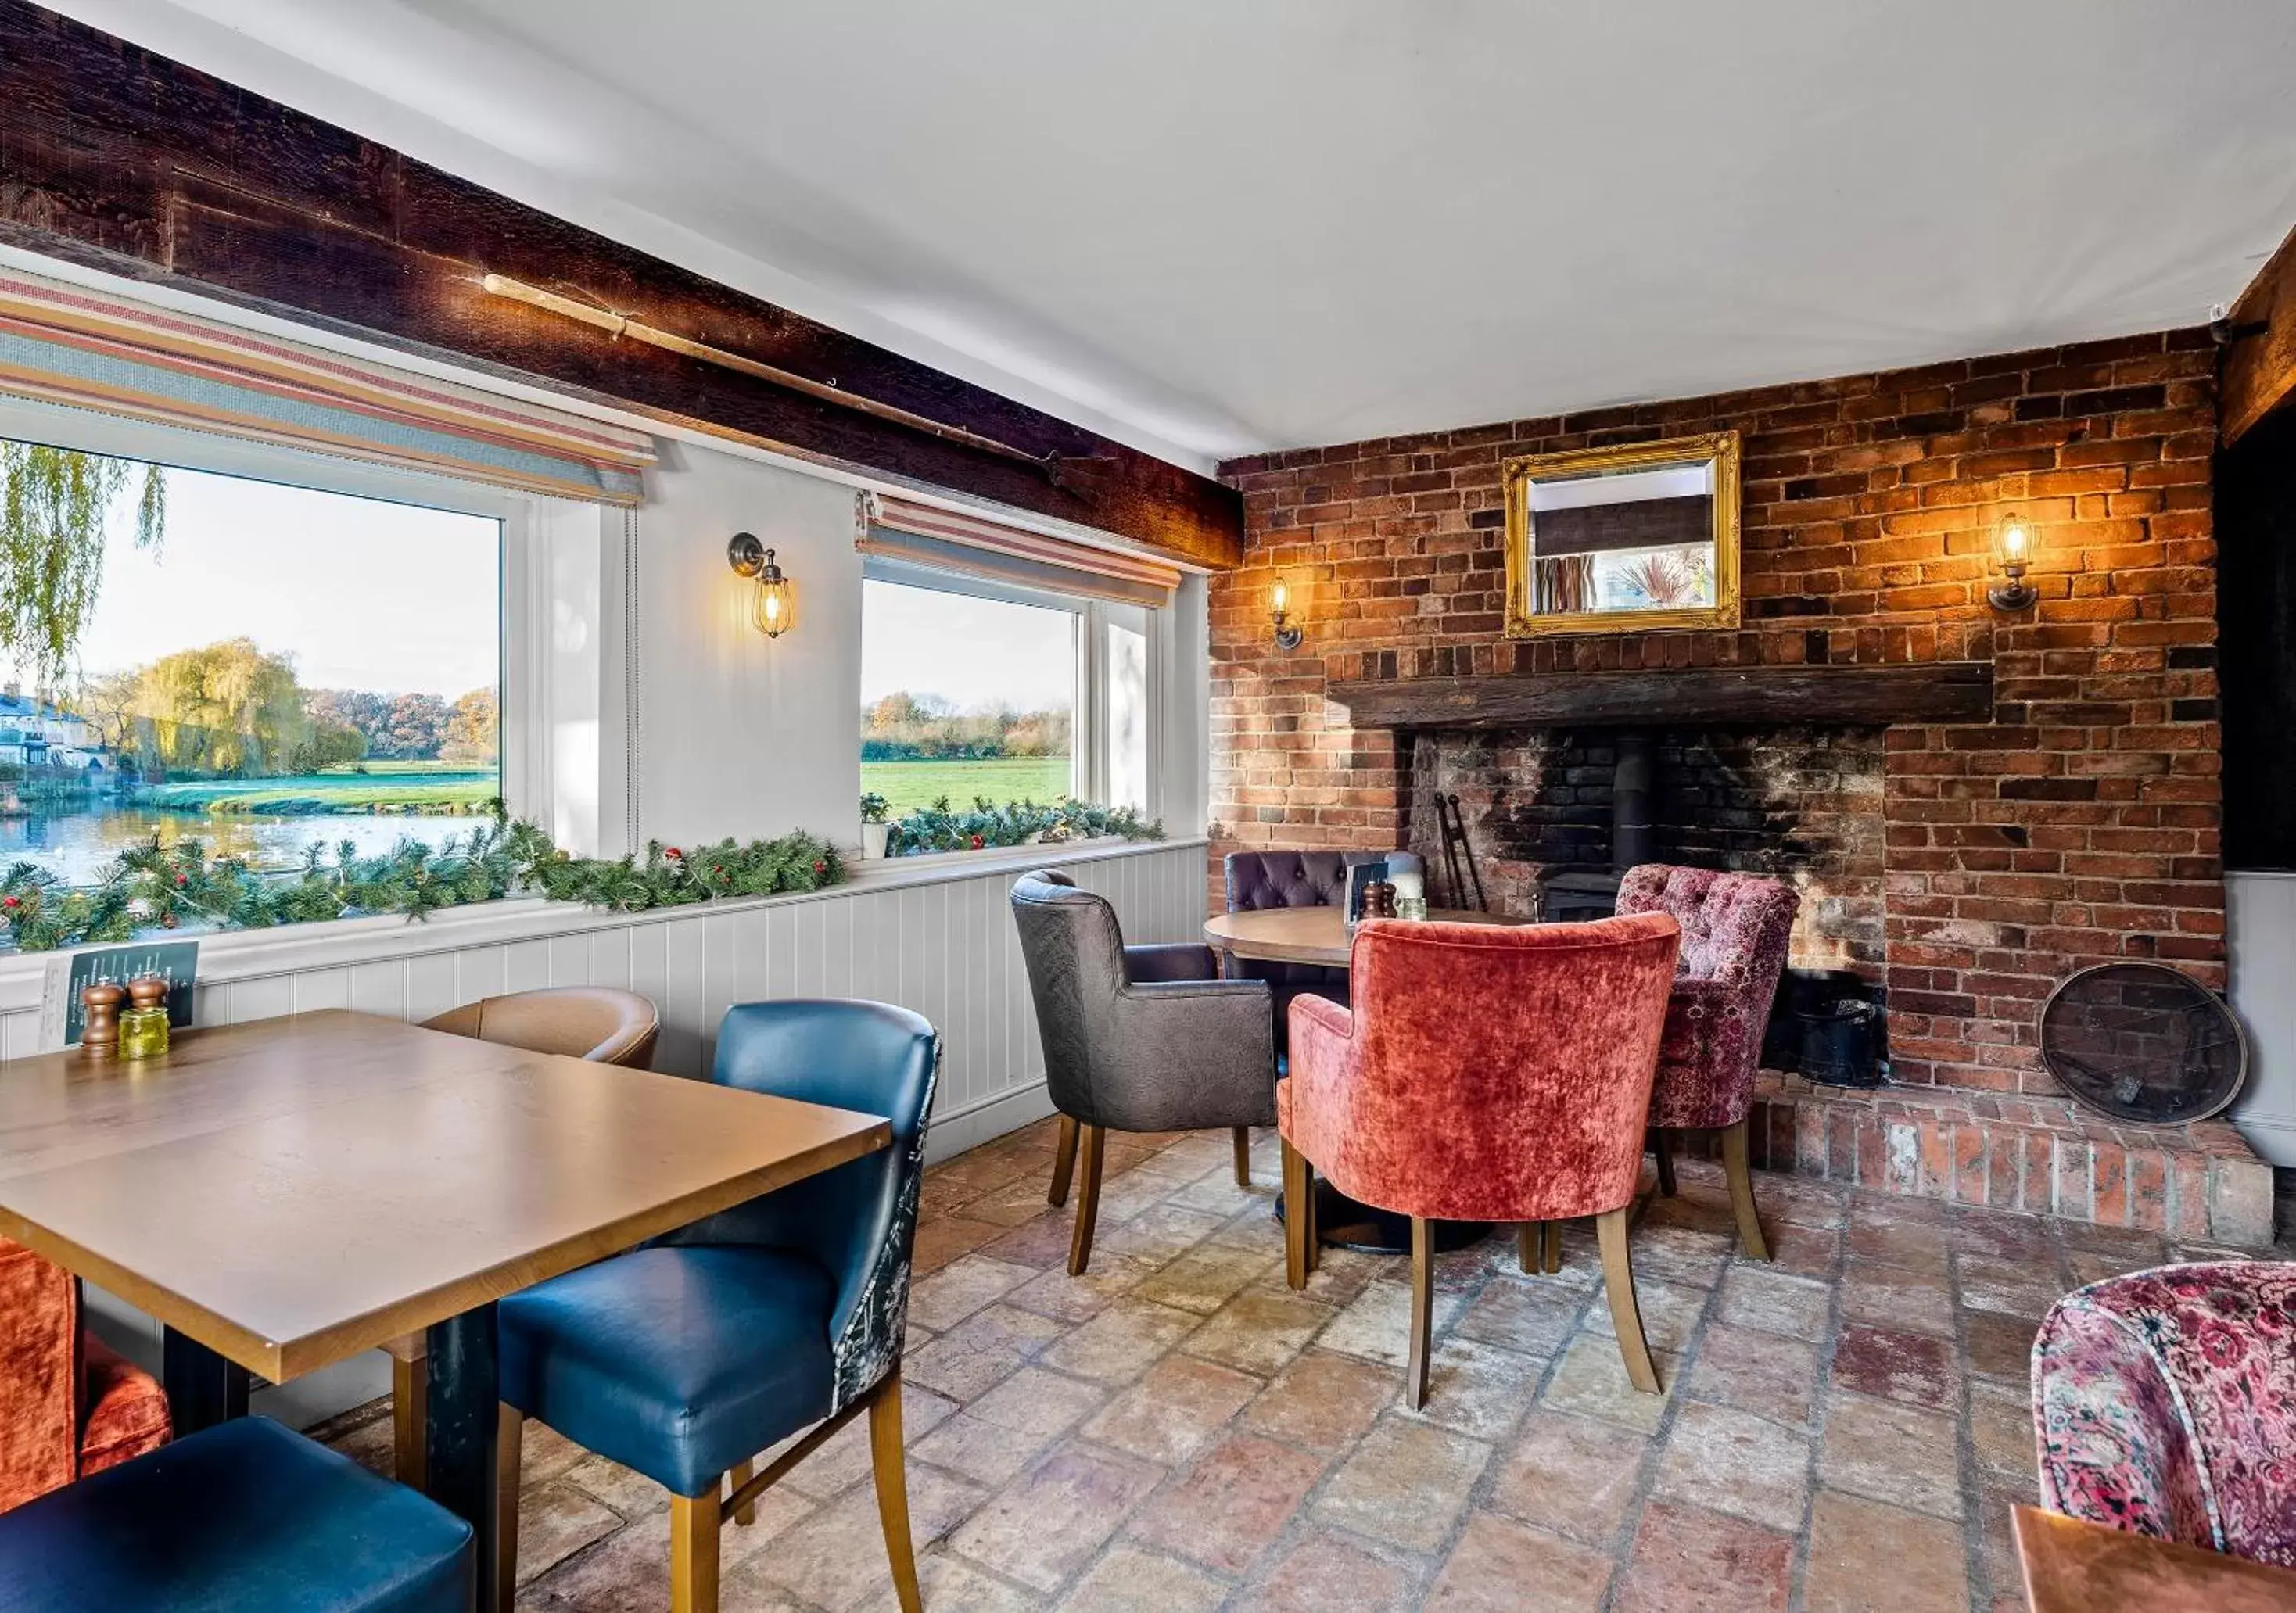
<point>1484,1073</point>
<point>1735,928</point>
<point>68,1406</point>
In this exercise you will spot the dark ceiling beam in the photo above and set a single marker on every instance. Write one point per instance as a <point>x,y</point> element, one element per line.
<point>2259,365</point>
<point>121,160</point>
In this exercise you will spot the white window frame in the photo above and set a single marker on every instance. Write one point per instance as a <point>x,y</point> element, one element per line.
<point>1088,772</point>
<point>565,734</point>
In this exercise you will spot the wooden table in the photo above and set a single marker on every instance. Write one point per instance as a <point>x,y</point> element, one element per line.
<point>1307,935</point>
<point>2073,1566</point>
<point>1319,936</point>
<point>285,1193</point>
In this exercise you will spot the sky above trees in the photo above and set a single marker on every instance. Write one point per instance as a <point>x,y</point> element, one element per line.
<point>359,593</point>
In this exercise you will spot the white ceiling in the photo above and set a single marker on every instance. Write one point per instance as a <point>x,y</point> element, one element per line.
<point>1213,226</point>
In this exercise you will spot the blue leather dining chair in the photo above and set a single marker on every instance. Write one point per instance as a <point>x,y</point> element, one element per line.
<point>685,1359</point>
<point>240,1516</point>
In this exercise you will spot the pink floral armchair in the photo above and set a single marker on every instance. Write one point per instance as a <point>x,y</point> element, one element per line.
<point>1735,928</point>
<point>2164,1403</point>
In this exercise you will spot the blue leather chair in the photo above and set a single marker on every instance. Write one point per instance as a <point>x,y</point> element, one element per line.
<point>244,1515</point>
<point>685,1359</point>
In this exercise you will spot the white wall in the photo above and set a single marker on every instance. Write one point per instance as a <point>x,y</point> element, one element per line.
<point>2261,940</point>
<point>738,735</point>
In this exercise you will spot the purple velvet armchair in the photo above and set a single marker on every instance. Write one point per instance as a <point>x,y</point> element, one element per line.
<point>1734,931</point>
<point>2164,1403</point>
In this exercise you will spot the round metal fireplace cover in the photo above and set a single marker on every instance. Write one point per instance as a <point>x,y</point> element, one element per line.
<point>2144,1042</point>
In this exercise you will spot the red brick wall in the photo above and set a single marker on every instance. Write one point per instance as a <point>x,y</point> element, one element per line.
<point>2080,824</point>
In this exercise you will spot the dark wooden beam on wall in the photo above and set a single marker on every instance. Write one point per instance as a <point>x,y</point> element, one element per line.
<point>2259,365</point>
<point>115,158</point>
<point>1932,692</point>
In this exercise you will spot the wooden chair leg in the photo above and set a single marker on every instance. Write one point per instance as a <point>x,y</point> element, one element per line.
<point>1740,1175</point>
<point>1553,1248</point>
<point>886,1461</point>
<point>1064,1163</point>
<point>510,1429</point>
<point>1663,1144</point>
<point>1244,1156</point>
<point>746,1513</point>
<point>1315,1231</point>
<point>1423,1311</point>
<point>694,1522</point>
<point>1297,1214</point>
<point>410,1405</point>
<point>1529,1245</point>
<point>1089,1139</point>
<point>1618,1285</point>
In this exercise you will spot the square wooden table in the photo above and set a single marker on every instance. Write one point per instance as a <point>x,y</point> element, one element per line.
<point>2073,1566</point>
<point>286,1194</point>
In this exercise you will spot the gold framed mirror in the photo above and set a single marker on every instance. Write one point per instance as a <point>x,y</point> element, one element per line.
<point>1638,538</point>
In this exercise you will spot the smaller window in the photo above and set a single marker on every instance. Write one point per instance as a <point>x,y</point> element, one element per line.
<point>964,694</point>
<point>978,689</point>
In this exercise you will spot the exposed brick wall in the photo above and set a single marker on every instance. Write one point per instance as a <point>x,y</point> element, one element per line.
<point>2081,823</point>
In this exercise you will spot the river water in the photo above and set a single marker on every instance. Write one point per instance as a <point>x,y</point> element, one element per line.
<point>77,845</point>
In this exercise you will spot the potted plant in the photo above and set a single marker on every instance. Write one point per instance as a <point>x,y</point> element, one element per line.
<point>874,827</point>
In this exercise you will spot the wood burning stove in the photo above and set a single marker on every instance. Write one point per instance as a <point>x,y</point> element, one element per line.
<point>1573,895</point>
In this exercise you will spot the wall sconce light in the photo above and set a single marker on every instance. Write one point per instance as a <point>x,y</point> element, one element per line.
<point>1287,631</point>
<point>2014,542</point>
<point>773,608</point>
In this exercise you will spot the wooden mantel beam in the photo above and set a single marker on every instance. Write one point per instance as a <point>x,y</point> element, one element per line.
<point>121,160</point>
<point>1927,691</point>
<point>2260,368</point>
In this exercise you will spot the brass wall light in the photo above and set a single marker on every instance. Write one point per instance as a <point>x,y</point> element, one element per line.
<point>772,608</point>
<point>1287,631</point>
<point>2012,543</point>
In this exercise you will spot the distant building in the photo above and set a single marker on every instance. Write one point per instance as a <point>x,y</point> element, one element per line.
<point>34,733</point>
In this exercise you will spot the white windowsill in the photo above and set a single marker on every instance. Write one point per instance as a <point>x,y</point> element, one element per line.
<point>245,953</point>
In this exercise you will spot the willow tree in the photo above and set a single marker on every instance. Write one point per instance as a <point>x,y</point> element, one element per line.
<point>54,507</point>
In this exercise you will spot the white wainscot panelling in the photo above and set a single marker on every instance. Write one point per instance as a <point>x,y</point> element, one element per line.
<point>2260,939</point>
<point>936,938</point>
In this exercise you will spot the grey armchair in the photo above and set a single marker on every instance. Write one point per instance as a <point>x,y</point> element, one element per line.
<point>1137,1038</point>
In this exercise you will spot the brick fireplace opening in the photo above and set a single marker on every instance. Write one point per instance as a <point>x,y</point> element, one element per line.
<point>1974,803</point>
<point>1801,803</point>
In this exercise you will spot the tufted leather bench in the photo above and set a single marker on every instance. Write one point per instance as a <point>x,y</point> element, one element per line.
<point>1261,880</point>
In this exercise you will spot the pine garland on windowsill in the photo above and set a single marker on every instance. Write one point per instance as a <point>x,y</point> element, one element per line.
<point>985,823</point>
<point>150,888</point>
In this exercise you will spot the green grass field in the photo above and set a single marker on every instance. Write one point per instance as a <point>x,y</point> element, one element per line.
<point>412,787</point>
<point>909,785</point>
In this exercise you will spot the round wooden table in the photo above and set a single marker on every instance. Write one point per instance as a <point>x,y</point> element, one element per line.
<point>1307,935</point>
<point>1319,936</point>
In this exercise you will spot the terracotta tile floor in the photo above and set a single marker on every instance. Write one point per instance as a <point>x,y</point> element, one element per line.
<point>1844,1429</point>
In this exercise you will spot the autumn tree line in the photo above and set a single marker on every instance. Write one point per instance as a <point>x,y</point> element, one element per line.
<point>230,710</point>
<point>904,727</point>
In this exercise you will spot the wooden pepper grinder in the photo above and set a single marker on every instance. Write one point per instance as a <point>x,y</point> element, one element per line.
<point>100,1001</point>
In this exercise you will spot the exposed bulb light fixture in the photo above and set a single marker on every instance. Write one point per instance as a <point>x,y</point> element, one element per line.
<point>773,607</point>
<point>1287,631</point>
<point>2013,550</point>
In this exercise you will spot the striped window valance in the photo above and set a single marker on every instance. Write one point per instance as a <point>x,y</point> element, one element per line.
<point>89,349</point>
<point>922,535</point>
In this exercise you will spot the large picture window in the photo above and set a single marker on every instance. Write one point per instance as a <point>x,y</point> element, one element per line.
<point>973,690</point>
<point>256,665</point>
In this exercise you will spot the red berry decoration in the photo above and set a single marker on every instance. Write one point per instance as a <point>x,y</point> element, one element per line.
<point>182,879</point>
<point>819,866</point>
<point>11,902</point>
<point>674,855</point>
<point>976,842</point>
